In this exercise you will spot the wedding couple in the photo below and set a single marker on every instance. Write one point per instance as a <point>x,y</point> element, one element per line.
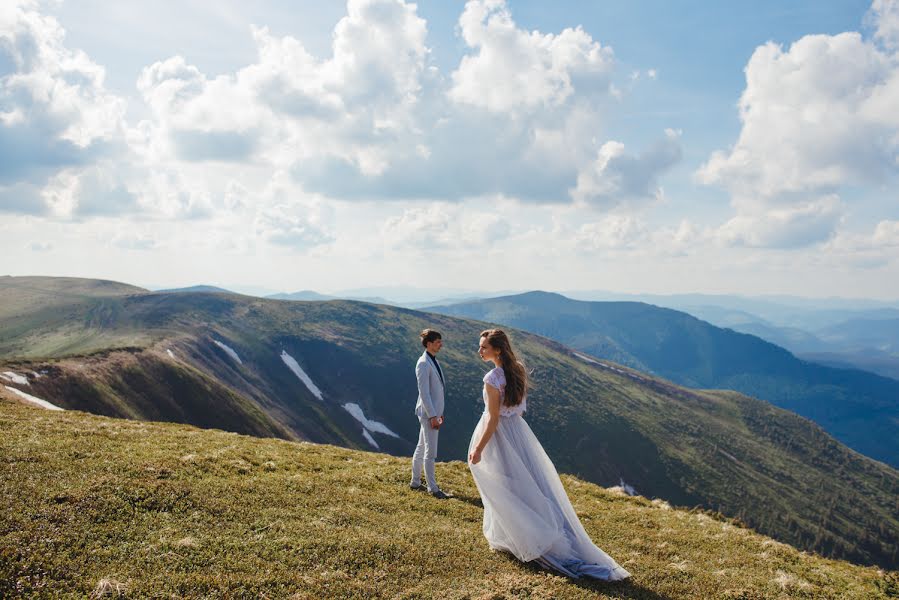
<point>526,509</point>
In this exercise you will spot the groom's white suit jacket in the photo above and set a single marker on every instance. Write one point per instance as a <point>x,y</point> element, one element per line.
<point>430,388</point>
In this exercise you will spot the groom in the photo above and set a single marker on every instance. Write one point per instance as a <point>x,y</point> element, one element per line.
<point>429,410</point>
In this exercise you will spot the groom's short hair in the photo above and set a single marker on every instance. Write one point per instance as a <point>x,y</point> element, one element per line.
<point>428,336</point>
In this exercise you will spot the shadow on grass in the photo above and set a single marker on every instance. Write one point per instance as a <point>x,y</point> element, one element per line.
<point>474,501</point>
<point>616,589</point>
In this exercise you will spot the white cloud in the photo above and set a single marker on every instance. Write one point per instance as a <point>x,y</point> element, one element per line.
<point>287,217</point>
<point>612,232</point>
<point>54,108</point>
<point>884,15</point>
<point>616,179</point>
<point>450,151</point>
<point>865,250</point>
<point>816,118</point>
<point>444,226</point>
<point>89,192</point>
<point>886,233</point>
<point>514,69</point>
<point>289,106</point>
<point>425,228</point>
<point>789,226</point>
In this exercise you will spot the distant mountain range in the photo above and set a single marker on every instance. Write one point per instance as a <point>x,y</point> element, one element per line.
<point>341,372</point>
<point>197,288</point>
<point>861,339</point>
<point>856,407</point>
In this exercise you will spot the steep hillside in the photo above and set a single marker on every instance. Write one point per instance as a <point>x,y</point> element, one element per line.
<point>341,372</point>
<point>105,506</point>
<point>858,408</point>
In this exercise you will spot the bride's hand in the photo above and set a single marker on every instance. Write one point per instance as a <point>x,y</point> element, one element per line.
<point>474,457</point>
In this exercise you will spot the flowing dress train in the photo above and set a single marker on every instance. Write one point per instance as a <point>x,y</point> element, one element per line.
<point>526,509</point>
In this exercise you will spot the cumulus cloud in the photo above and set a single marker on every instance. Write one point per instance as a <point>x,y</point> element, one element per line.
<point>514,69</point>
<point>442,226</point>
<point>616,179</point>
<point>867,250</point>
<point>426,228</point>
<point>54,108</point>
<point>291,219</point>
<point>518,117</point>
<point>91,192</point>
<point>790,226</point>
<point>291,226</point>
<point>197,118</point>
<point>816,118</point>
<point>612,232</point>
<point>290,106</point>
<point>884,15</point>
<point>886,234</point>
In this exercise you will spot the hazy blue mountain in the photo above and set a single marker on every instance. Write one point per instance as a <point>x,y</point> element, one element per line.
<point>808,314</point>
<point>304,295</point>
<point>793,339</point>
<point>861,333</point>
<point>856,407</point>
<point>197,288</point>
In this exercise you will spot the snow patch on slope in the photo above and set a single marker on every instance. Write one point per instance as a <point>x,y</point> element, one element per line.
<point>33,400</point>
<point>586,358</point>
<point>625,488</point>
<point>229,351</point>
<point>14,377</point>
<point>299,372</point>
<point>374,426</point>
<point>370,439</point>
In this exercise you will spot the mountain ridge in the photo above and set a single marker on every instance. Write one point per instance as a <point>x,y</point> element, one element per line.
<point>857,407</point>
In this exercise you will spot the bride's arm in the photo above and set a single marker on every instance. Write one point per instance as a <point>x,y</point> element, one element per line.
<point>493,402</point>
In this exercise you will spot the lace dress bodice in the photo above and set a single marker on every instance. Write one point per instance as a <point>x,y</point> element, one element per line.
<point>497,378</point>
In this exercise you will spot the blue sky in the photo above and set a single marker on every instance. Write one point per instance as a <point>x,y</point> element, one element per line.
<point>661,147</point>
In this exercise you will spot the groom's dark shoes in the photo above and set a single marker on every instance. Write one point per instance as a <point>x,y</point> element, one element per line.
<point>440,495</point>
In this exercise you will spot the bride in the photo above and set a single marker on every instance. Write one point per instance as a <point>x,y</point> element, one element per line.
<point>526,509</point>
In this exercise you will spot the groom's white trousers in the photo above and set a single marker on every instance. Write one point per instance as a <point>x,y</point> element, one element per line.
<point>425,453</point>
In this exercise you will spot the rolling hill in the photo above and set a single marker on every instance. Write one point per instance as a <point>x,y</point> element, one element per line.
<point>856,407</point>
<point>340,372</point>
<point>99,507</point>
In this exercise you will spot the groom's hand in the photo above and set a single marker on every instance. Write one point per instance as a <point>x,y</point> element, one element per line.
<point>435,422</point>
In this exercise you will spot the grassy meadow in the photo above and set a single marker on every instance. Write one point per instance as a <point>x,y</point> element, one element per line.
<point>93,505</point>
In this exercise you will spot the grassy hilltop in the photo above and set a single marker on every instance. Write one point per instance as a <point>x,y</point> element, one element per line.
<point>93,504</point>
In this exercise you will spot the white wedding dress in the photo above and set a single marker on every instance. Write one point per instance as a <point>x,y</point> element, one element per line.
<point>526,509</point>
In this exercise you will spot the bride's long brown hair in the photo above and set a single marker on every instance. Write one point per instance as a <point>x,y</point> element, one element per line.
<point>516,374</point>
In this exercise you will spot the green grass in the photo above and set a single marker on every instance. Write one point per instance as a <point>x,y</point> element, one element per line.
<point>161,510</point>
<point>59,316</point>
